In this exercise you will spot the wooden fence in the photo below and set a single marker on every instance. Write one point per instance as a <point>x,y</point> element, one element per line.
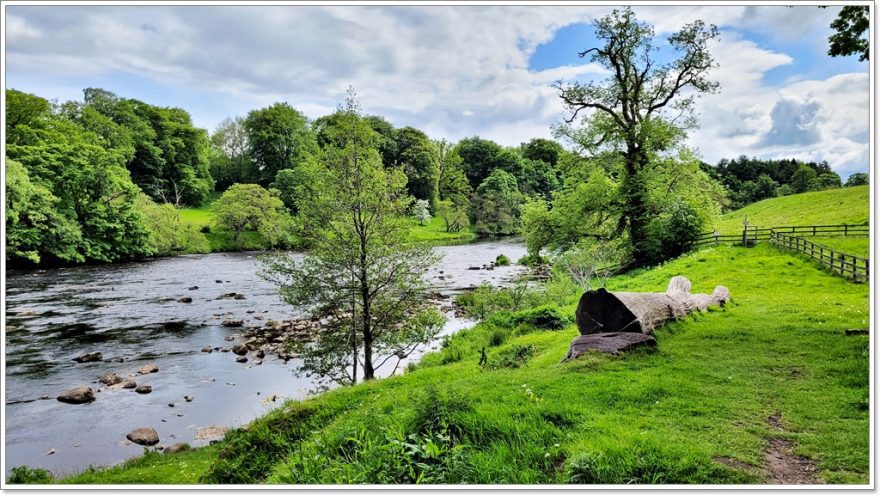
<point>752,234</point>
<point>849,266</point>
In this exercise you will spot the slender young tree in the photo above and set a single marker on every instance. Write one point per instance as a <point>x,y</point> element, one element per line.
<point>644,107</point>
<point>362,275</point>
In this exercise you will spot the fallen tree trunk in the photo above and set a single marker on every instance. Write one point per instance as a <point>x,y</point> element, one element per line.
<point>601,311</point>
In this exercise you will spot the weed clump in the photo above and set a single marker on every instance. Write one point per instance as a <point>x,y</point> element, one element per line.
<point>512,357</point>
<point>23,475</point>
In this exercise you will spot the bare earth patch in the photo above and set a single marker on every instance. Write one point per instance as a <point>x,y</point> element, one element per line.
<point>781,465</point>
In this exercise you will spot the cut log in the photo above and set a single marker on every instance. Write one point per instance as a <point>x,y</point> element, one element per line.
<point>610,343</point>
<point>600,311</point>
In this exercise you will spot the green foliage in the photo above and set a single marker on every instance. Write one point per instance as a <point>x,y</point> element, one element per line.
<point>547,317</point>
<point>168,235</point>
<point>278,137</point>
<point>454,217</point>
<point>479,158</point>
<point>387,143</point>
<point>802,180</point>
<point>850,25</point>
<point>34,226</point>
<point>497,205</point>
<point>23,475</point>
<point>857,179</point>
<point>513,356</point>
<point>502,260</point>
<point>754,179</point>
<point>590,264</point>
<point>418,158</point>
<point>827,180</point>
<point>362,269</point>
<point>673,231</point>
<point>545,150</point>
<point>286,183</point>
<point>229,156</point>
<point>245,207</point>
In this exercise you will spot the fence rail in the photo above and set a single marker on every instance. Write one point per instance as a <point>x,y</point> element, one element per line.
<point>790,237</point>
<point>850,266</point>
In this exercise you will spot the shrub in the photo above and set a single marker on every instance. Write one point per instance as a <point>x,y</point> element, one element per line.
<point>23,475</point>
<point>547,316</point>
<point>672,232</point>
<point>502,260</point>
<point>512,357</point>
<point>532,260</point>
<point>497,337</point>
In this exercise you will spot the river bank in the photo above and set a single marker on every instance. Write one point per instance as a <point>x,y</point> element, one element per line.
<point>131,314</point>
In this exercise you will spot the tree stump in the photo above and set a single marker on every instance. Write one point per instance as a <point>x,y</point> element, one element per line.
<point>600,311</point>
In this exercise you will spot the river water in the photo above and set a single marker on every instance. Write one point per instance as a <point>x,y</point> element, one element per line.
<point>129,313</point>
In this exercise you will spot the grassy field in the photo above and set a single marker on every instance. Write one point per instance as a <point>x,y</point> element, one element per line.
<point>435,231</point>
<point>857,246</point>
<point>702,408</point>
<point>848,205</point>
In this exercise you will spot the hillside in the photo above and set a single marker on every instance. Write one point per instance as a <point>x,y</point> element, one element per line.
<point>722,388</point>
<point>850,205</point>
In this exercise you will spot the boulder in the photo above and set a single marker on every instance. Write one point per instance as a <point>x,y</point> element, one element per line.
<point>143,436</point>
<point>240,349</point>
<point>257,362</point>
<point>232,323</point>
<point>88,357</point>
<point>207,349</point>
<point>609,342</point>
<point>188,398</point>
<point>147,369</point>
<point>218,281</point>
<point>143,389</point>
<point>110,379</point>
<point>229,338</point>
<point>209,432</point>
<point>241,359</point>
<point>194,287</point>
<point>128,383</point>
<point>176,447</point>
<point>79,395</point>
<point>260,354</point>
<point>239,297</point>
<point>232,295</point>
<point>26,314</point>
<point>185,300</point>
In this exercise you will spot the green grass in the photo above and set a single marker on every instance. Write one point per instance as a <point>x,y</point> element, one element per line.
<point>849,205</point>
<point>856,246</point>
<point>647,417</point>
<point>435,231</point>
<point>200,216</point>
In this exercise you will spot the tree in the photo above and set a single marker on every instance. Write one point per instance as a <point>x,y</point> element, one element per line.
<point>279,137</point>
<point>247,207</point>
<point>387,139</point>
<point>168,235</point>
<point>497,205</point>
<point>421,210</point>
<point>802,179</point>
<point>546,150</point>
<point>479,158</point>
<point>34,227</point>
<point>417,156</point>
<point>849,26</point>
<point>857,179</point>
<point>629,109</point>
<point>363,273</point>
<point>454,216</point>
<point>765,187</point>
<point>231,164</point>
<point>827,180</point>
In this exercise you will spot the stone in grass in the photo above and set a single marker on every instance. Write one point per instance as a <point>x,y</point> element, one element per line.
<point>610,343</point>
<point>143,436</point>
<point>176,447</point>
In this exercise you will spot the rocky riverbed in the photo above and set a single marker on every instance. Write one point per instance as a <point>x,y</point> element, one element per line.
<point>185,346</point>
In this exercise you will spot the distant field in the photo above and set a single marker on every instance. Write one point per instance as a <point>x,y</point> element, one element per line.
<point>435,231</point>
<point>848,205</point>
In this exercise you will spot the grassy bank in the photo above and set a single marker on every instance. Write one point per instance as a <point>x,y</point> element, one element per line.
<point>435,231</point>
<point>694,411</point>
<point>857,246</point>
<point>848,205</point>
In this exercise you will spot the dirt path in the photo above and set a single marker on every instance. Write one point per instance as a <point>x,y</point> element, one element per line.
<point>781,465</point>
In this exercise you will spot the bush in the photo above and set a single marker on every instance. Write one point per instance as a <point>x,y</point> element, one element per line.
<point>512,357</point>
<point>23,475</point>
<point>502,260</point>
<point>497,337</point>
<point>672,232</point>
<point>546,316</point>
<point>532,260</point>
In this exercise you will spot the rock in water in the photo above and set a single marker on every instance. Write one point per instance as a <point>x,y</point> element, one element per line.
<point>185,300</point>
<point>207,349</point>
<point>240,349</point>
<point>232,323</point>
<point>241,359</point>
<point>144,389</point>
<point>188,398</point>
<point>88,358</point>
<point>79,395</point>
<point>194,287</point>
<point>143,436</point>
<point>148,368</point>
<point>610,343</point>
<point>128,383</point>
<point>110,379</point>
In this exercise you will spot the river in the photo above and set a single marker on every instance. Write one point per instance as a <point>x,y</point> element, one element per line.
<point>129,312</point>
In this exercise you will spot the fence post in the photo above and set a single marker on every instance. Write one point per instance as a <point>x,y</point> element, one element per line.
<point>845,230</point>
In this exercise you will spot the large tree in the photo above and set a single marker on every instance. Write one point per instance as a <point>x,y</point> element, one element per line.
<point>640,110</point>
<point>417,156</point>
<point>231,162</point>
<point>279,137</point>
<point>362,272</point>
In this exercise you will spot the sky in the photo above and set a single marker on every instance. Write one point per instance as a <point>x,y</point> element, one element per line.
<point>453,72</point>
